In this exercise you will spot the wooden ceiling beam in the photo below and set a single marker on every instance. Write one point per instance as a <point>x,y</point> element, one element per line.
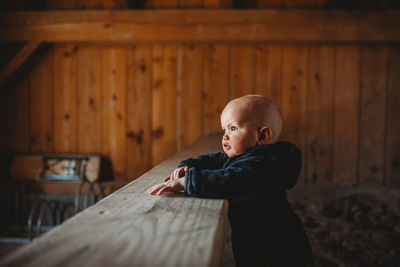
<point>201,26</point>
<point>17,61</point>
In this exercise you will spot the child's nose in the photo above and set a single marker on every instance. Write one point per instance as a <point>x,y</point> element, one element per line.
<point>226,136</point>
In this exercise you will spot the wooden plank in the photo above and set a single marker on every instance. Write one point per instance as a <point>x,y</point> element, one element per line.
<point>90,4</point>
<point>191,3</point>
<point>202,25</point>
<point>218,3</point>
<point>373,75</point>
<point>319,152</point>
<point>89,99</point>
<point>346,115</point>
<point>114,108</point>
<point>41,105</point>
<point>17,61</point>
<point>216,85</point>
<point>294,86</point>
<point>269,72</point>
<point>242,70</point>
<point>191,94</point>
<point>303,3</point>
<point>164,111</point>
<point>61,4</point>
<point>17,118</point>
<point>138,122</point>
<point>270,3</point>
<point>161,4</point>
<point>65,98</point>
<point>392,146</point>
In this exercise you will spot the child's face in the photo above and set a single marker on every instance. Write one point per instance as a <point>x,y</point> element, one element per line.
<point>240,133</point>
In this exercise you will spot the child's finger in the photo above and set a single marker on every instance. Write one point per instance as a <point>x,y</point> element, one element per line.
<point>154,189</point>
<point>164,189</point>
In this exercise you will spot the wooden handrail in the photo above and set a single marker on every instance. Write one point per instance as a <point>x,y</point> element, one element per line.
<point>132,228</point>
<point>301,25</point>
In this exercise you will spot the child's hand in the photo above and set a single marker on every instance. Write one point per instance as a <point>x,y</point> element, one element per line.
<point>170,186</point>
<point>178,173</point>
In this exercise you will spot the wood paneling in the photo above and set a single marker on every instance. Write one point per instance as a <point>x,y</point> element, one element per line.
<point>113,108</point>
<point>16,112</point>
<point>373,73</point>
<point>138,116</point>
<point>346,115</point>
<point>242,70</point>
<point>191,94</point>
<point>294,91</point>
<point>89,99</point>
<point>269,72</point>
<point>303,25</point>
<point>319,118</point>
<point>41,105</point>
<point>164,116</point>
<point>65,97</point>
<point>392,145</point>
<point>216,86</point>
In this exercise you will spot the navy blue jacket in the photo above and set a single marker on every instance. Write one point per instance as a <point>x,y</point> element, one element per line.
<point>265,230</point>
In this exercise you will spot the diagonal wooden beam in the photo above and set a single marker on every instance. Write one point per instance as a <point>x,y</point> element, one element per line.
<point>305,25</point>
<point>17,61</point>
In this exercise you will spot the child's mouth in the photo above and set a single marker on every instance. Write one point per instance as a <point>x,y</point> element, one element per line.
<point>226,146</point>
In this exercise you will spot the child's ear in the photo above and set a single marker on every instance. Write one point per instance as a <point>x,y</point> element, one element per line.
<point>265,135</point>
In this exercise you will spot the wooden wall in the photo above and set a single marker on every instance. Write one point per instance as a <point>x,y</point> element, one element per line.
<point>139,104</point>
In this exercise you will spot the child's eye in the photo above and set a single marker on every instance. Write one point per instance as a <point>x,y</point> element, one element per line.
<point>233,128</point>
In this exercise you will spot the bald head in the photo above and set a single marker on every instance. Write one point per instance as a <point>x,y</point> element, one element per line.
<point>258,110</point>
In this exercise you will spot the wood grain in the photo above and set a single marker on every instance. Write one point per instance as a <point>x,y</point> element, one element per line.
<point>242,70</point>
<point>191,94</point>
<point>138,114</point>
<point>216,86</point>
<point>294,86</point>
<point>373,73</point>
<point>269,72</point>
<point>132,228</point>
<point>164,108</point>
<point>392,146</point>
<point>16,119</point>
<point>65,97</point>
<point>114,108</point>
<point>41,105</point>
<point>89,99</point>
<point>300,25</point>
<point>320,92</point>
<point>16,62</point>
<point>346,115</point>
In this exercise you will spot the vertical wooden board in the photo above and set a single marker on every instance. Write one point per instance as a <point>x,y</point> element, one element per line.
<point>191,3</point>
<point>218,3</point>
<point>90,4</point>
<point>16,115</point>
<point>138,116</point>
<point>161,4</point>
<point>115,4</point>
<point>346,115</point>
<point>89,99</point>
<point>191,94</point>
<point>270,3</point>
<point>373,63</point>
<point>303,3</point>
<point>61,4</point>
<point>114,108</point>
<point>294,97</point>
<point>41,105</point>
<point>64,105</point>
<point>242,70</point>
<point>164,96</point>
<point>216,85</point>
<point>392,159</point>
<point>269,72</point>
<point>319,138</point>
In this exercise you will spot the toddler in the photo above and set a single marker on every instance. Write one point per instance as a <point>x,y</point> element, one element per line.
<point>252,175</point>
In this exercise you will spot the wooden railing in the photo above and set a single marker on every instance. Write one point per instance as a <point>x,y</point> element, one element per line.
<point>132,228</point>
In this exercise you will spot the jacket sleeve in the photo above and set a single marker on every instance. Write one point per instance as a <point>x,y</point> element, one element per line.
<point>208,161</point>
<point>240,181</point>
